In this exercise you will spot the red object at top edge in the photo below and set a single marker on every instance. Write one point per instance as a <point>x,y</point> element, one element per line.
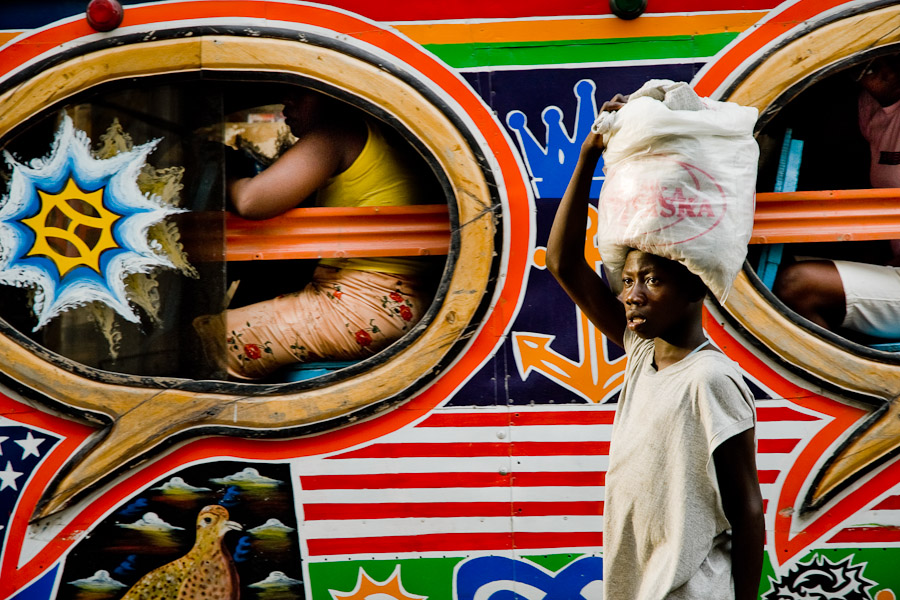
<point>104,15</point>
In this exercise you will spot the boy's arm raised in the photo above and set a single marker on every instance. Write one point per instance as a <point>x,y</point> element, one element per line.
<point>565,249</point>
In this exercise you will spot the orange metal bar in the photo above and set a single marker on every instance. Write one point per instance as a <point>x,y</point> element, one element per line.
<point>827,216</point>
<point>321,232</point>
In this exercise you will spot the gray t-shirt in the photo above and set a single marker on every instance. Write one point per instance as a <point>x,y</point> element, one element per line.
<point>665,534</point>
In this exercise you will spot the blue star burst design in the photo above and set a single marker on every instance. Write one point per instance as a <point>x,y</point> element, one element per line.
<point>70,158</point>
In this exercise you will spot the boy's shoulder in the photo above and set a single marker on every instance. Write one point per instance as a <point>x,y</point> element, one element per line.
<point>713,369</point>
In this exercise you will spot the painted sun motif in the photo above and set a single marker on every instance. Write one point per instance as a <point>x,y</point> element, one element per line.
<point>369,589</point>
<point>74,227</point>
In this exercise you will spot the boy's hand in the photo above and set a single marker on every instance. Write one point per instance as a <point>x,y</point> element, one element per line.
<point>593,143</point>
<point>617,102</point>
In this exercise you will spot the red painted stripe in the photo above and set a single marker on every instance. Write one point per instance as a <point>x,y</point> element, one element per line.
<point>889,503</point>
<point>486,419</point>
<point>409,10</point>
<point>772,413</point>
<point>767,476</point>
<point>466,450</point>
<point>564,417</point>
<point>776,446</point>
<point>437,510</point>
<point>862,535</point>
<point>454,542</point>
<point>456,480</point>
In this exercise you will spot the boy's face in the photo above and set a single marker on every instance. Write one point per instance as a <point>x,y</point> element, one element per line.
<point>658,294</point>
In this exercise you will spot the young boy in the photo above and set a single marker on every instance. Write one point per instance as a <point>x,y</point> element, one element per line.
<point>683,513</point>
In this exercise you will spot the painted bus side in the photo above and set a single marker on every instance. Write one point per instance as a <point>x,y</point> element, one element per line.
<point>467,460</point>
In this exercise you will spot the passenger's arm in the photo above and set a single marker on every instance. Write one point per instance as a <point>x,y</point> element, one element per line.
<point>565,249</point>
<point>735,461</point>
<point>299,172</point>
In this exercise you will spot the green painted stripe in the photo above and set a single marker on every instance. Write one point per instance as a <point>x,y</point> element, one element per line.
<point>578,51</point>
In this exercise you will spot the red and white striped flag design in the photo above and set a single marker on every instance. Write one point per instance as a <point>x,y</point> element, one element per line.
<point>498,480</point>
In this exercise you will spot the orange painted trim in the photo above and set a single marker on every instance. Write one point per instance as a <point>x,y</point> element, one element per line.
<point>827,216</point>
<point>324,232</point>
<point>577,29</point>
<point>765,33</point>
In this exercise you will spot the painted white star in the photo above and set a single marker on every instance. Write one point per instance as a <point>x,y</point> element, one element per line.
<point>30,445</point>
<point>8,477</point>
<point>3,438</point>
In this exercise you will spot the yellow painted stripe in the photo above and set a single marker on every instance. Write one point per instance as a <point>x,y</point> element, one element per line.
<point>577,29</point>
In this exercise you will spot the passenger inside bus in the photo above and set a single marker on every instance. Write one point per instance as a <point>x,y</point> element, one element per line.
<point>862,297</point>
<point>352,307</point>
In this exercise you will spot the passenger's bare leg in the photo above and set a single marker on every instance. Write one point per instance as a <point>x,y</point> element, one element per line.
<point>813,289</point>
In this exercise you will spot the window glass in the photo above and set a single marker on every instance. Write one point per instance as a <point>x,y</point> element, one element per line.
<point>114,272</point>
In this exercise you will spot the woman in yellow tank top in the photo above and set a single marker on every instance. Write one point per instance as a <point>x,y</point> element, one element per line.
<point>353,307</point>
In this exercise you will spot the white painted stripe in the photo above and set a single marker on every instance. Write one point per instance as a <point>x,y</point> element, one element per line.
<point>790,430</point>
<point>532,433</point>
<point>405,527</point>
<point>526,552</point>
<point>773,462</point>
<point>504,494</point>
<point>522,464</point>
<point>450,494</point>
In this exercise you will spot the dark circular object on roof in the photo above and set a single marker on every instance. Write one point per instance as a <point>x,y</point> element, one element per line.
<point>628,9</point>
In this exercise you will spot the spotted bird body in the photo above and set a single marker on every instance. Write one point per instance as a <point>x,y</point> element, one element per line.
<point>206,572</point>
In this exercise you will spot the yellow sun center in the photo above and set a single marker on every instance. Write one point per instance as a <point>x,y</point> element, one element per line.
<point>73,228</point>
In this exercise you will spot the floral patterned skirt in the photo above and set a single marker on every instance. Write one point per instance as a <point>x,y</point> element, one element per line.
<point>343,314</point>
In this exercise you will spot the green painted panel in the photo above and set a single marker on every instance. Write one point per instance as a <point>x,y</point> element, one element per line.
<point>553,562</point>
<point>577,51</point>
<point>878,565</point>
<point>432,577</point>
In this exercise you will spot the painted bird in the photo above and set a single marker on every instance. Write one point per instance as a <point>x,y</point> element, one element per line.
<point>206,572</point>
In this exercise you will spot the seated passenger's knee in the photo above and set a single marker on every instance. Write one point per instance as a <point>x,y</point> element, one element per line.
<point>793,284</point>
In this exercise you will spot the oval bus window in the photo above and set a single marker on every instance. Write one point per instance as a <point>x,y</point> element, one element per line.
<point>137,260</point>
<point>171,221</point>
<point>841,132</point>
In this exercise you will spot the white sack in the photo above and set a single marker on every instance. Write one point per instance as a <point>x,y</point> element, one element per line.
<point>679,183</point>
